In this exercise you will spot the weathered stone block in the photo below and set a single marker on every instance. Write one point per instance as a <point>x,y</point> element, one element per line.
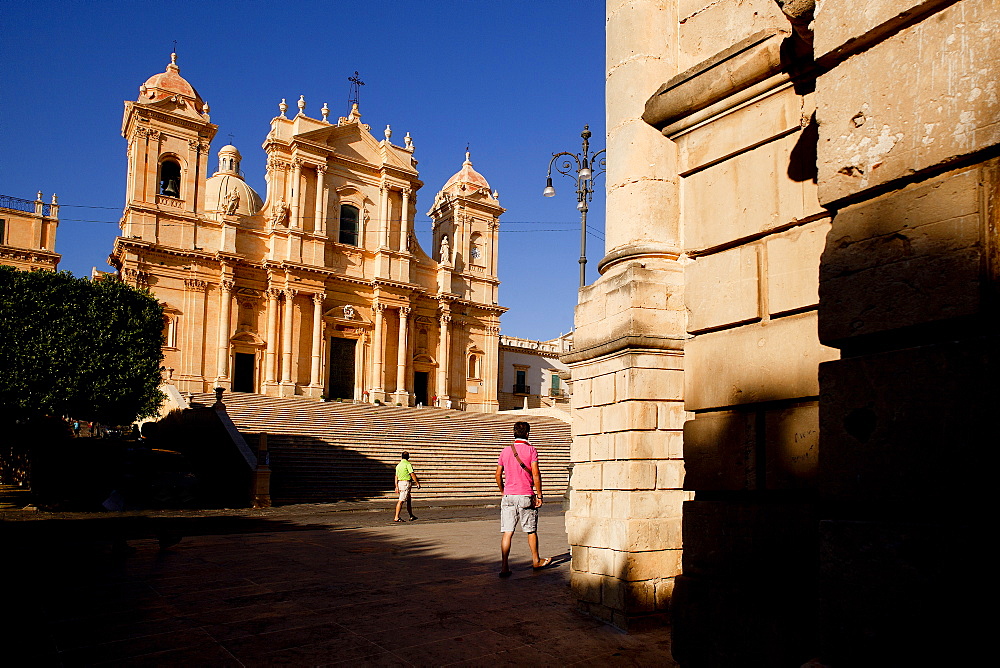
<point>759,362</point>
<point>588,531</point>
<point>586,587</point>
<point>908,258</point>
<point>629,475</point>
<point>602,562</point>
<point>654,565</point>
<point>671,415</point>
<point>586,421</point>
<point>640,535</point>
<point>602,505</point>
<point>648,445</point>
<point>628,597</point>
<point>602,447</point>
<point>657,504</point>
<point>890,436</point>
<point>839,24</point>
<point>792,447</point>
<point>641,203</point>
<point>754,124</point>
<point>722,205</point>
<point>649,384</point>
<point>710,27</point>
<point>581,393</point>
<point>603,389</point>
<point>586,476</point>
<point>722,288</point>
<point>630,415</point>
<point>720,451</point>
<point>670,475</point>
<point>579,449</point>
<point>793,259</point>
<point>580,558</point>
<point>579,503</point>
<point>942,101</point>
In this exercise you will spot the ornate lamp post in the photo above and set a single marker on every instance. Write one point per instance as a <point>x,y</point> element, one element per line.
<point>585,168</point>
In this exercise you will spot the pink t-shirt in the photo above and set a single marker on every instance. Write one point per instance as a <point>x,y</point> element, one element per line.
<point>516,479</point>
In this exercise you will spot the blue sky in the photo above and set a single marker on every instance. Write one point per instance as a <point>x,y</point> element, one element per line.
<point>515,80</point>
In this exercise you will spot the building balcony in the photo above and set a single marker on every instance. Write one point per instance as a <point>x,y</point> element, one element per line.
<point>521,389</point>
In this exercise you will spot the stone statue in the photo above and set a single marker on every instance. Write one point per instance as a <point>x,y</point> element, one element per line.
<point>445,250</point>
<point>232,202</point>
<point>279,215</point>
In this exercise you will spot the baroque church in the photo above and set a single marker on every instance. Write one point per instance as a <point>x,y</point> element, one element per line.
<point>320,289</point>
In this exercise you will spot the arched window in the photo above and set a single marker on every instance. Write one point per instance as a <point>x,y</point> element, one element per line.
<point>473,365</point>
<point>349,224</point>
<point>170,178</point>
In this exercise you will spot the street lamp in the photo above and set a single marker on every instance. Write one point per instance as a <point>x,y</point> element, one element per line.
<point>585,168</point>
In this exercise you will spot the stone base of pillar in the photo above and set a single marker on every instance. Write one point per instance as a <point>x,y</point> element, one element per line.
<point>401,397</point>
<point>286,390</point>
<point>379,395</point>
<point>224,382</point>
<point>313,391</point>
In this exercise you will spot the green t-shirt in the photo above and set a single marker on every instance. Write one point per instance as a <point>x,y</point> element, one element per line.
<point>403,470</point>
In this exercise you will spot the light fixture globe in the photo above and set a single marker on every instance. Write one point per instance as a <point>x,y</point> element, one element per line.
<point>549,190</point>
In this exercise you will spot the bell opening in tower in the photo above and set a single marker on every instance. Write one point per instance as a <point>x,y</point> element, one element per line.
<point>170,178</point>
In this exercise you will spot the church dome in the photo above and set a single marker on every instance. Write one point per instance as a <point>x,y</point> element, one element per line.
<point>169,84</point>
<point>218,189</point>
<point>467,175</point>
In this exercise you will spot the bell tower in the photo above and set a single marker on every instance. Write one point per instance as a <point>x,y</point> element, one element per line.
<point>466,220</point>
<point>169,134</point>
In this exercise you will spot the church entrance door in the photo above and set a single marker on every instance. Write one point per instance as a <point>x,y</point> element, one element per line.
<point>420,387</point>
<point>243,372</point>
<point>341,368</point>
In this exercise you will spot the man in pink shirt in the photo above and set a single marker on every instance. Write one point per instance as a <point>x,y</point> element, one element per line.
<point>522,496</point>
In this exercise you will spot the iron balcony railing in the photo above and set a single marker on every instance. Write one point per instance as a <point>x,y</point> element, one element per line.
<point>522,389</point>
<point>26,205</point>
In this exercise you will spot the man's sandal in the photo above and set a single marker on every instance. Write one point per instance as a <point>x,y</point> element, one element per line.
<point>546,562</point>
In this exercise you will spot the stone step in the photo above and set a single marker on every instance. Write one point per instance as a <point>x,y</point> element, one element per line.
<point>327,451</point>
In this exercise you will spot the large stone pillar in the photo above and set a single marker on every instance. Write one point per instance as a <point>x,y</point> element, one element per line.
<point>404,225</point>
<point>491,369</point>
<point>270,354</point>
<point>315,379</point>
<point>378,391</point>
<point>287,321</point>
<point>402,396</point>
<point>444,357</point>
<point>225,316</point>
<point>624,521</point>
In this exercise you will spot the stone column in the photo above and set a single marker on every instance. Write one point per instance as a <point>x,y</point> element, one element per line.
<point>404,226</point>
<point>319,223</point>
<point>384,216</point>
<point>225,316</point>
<point>491,370</point>
<point>402,395</point>
<point>295,222</point>
<point>270,356</point>
<point>378,392</point>
<point>288,386</point>
<point>624,521</point>
<point>315,381</point>
<point>444,356</point>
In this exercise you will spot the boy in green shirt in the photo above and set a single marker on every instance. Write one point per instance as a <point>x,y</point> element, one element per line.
<point>405,477</point>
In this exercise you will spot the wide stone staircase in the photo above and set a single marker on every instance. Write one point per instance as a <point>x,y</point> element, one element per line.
<point>324,452</point>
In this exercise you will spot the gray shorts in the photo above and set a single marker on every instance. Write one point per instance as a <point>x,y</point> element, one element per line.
<point>516,509</point>
<point>404,489</point>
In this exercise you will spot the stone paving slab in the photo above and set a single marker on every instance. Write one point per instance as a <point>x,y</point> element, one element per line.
<point>301,587</point>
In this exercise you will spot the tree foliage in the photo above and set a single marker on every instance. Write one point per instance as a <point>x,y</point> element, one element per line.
<point>70,346</point>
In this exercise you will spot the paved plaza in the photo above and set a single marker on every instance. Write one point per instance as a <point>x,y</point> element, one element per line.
<point>298,586</point>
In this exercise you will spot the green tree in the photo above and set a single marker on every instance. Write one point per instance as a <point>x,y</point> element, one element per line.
<point>70,346</point>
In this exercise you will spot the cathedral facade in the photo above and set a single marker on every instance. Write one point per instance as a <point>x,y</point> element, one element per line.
<point>320,289</point>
